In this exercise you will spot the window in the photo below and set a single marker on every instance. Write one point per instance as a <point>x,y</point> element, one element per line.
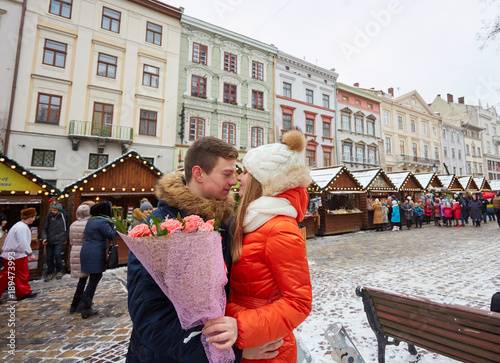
<point>345,98</point>
<point>426,151</point>
<point>371,157</point>
<point>459,154</point>
<point>444,134</point>
<point>230,61</point>
<point>400,122</point>
<point>309,96</point>
<point>151,76</point>
<point>230,93</point>
<point>149,160</point>
<point>48,109</point>
<point>455,170</point>
<point>61,8</point>
<point>357,102</point>
<point>359,125</point>
<point>388,146</point>
<point>326,129</point>
<point>402,147</point>
<point>97,161</point>
<point>106,65</point>
<point>488,147</point>
<point>346,148</point>
<point>486,130</point>
<point>469,171</point>
<point>346,123</point>
<point>257,70</point>
<point>229,133</point>
<point>480,168</point>
<point>287,121</point>
<point>196,128</point>
<point>386,118</point>
<point>434,131</point>
<point>326,101</point>
<point>436,153</point>
<point>200,53</point>
<point>453,153</point>
<point>389,169</point>
<point>148,123</point>
<point>460,171</point>
<point>311,157</point>
<point>257,136</point>
<point>153,33</point>
<point>43,158</point>
<point>370,128</point>
<point>257,100</point>
<point>496,149</point>
<point>102,119</point>
<point>111,20</point>
<point>360,154</point>
<point>198,87</point>
<point>414,149</point>
<point>494,131</point>
<point>445,152</point>
<point>467,152</point>
<point>457,136</point>
<point>287,90</point>
<point>424,129</point>
<point>327,158</point>
<point>309,126</point>
<point>451,136</point>
<point>478,151</point>
<point>370,106</point>
<point>412,125</point>
<point>54,53</point>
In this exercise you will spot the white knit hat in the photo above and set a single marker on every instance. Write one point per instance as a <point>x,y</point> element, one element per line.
<point>279,167</point>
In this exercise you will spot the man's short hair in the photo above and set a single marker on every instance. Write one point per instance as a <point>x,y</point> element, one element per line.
<point>204,153</point>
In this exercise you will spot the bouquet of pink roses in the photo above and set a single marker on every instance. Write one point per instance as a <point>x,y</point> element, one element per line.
<point>184,257</point>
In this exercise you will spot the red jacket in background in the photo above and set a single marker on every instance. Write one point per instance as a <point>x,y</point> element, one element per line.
<point>457,210</point>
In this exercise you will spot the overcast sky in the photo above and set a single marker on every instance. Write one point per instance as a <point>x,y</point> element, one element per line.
<point>426,45</point>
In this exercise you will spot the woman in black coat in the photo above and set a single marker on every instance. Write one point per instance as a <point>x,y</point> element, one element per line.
<point>93,254</point>
<point>476,211</point>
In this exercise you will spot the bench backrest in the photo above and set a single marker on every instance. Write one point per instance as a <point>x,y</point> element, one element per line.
<point>459,332</point>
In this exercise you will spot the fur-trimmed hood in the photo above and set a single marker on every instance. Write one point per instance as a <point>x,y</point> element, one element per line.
<point>137,214</point>
<point>172,190</point>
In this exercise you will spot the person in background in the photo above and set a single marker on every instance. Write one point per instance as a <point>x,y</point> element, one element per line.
<point>140,214</point>
<point>76,238</point>
<point>385,216</point>
<point>93,254</point>
<point>55,234</point>
<point>437,212</point>
<point>3,223</point>
<point>484,207</point>
<point>476,212</point>
<point>447,213</point>
<point>17,248</point>
<point>377,215</point>
<point>496,207</point>
<point>395,217</point>
<point>457,212</point>
<point>464,202</point>
<point>490,211</point>
<point>428,212</point>
<point>408,212</point>
<point>418,212</point>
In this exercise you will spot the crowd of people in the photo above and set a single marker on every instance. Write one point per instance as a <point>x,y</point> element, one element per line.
<point>442,211</point>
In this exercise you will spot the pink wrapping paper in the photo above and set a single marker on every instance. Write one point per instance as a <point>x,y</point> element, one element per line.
<point>189,268</point>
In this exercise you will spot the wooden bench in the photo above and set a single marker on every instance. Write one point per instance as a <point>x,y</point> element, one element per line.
<point>459,332</point>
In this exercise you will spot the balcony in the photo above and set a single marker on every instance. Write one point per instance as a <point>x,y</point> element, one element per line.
<point>496,139</point>
<point>100,132</point>
<point>410,159</point>
<point>356,161</point>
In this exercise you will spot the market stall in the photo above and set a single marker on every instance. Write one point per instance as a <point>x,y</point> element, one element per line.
<point>340,195</point>
<point>468,184</point>
<point>430,182</point>
<point>407,185</point>
<point>377,186</point>
<point>124,182</point>
<point>482,184</point>
<point>495,185</point>
<point>20,189</point>
<point>451,183</point>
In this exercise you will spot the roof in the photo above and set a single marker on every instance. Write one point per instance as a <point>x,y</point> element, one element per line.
<point>449,180</point>
<point>400,179</point>
<point>38,180</point>
<point>482,184</point>
<point>374,178</point>
<point>495,185</point>
<point>111,164</point>
<point>468,183</point>
<point>325,178</point>
<point>322,177</point>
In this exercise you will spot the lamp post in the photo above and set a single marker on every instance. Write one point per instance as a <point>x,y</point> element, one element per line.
<point>434,167</point>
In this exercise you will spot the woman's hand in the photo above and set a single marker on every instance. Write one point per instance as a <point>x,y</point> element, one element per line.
<point>221,332</point>
<point>265,351</point>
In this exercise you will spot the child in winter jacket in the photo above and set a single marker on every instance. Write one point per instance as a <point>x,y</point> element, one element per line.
<point>418,212</point>
<point>428,213</point>
<point>457,212</point>
<point>447,212</point>
<point>437,212</point>
<point>385,215</point>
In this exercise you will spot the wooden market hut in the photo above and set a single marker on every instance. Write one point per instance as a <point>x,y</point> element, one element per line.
<point>451,183</point>
<point>468,184</point>
<point>429,181</point>
<point>407,185</point>
<point>377,184</point>
<point>341,195</point>
<point>482,184</point>
<point>123,181</point>
<point>495,185</point>
<point>19,189</point>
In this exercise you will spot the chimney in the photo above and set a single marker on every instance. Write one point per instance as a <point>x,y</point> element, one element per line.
<point>356,84</point>
<point>461,100</point>
<point>391,91</point>
<point>450,98</point>
<point>439,95</point>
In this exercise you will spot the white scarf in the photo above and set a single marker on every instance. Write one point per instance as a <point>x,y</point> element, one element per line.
<point>263,209</point>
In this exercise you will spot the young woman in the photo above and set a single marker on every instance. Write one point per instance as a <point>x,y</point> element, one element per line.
<point>270,283</point>
<point>395,218</point>
<point>476,212</point>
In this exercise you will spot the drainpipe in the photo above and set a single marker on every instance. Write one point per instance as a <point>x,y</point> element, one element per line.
<point>14,80</point>
<point>337,142</point>
<point>273,111</point>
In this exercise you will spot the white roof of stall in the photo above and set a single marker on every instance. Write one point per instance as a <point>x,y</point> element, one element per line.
<point>322,177</point>
<point>447,180</point>
<point>495,185</point>
<point>424,179</point>
<point>365,177</point>
<point>398,178</point>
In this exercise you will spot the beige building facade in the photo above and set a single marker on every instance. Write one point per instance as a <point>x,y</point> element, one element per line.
<point>96,78</point>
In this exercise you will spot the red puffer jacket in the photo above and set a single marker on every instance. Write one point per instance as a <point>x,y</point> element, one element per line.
<point>270,285</point>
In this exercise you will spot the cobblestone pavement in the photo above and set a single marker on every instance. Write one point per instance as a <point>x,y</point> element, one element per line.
<point>453,265</point>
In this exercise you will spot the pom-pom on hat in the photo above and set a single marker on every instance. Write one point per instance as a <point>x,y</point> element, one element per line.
<point>281,166</point>
<point>27,213</point>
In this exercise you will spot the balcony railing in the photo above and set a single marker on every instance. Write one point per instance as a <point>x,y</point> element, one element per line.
<point>496,139</point>
<point>360,161</point>
<point>419,160</point>
<point>100,131</point>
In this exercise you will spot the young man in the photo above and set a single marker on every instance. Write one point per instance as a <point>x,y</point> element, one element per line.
<point>55,234</point>
<point>16,251</point>
<point>204,190</point>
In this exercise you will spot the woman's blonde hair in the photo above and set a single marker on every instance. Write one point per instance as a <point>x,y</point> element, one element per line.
<point>253,191</point>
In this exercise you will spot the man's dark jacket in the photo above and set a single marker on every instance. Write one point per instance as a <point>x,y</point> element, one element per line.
<point>56,229</point>
<point>157,335</point>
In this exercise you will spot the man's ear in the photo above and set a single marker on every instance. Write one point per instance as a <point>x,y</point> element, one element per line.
<point>197,173</point>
